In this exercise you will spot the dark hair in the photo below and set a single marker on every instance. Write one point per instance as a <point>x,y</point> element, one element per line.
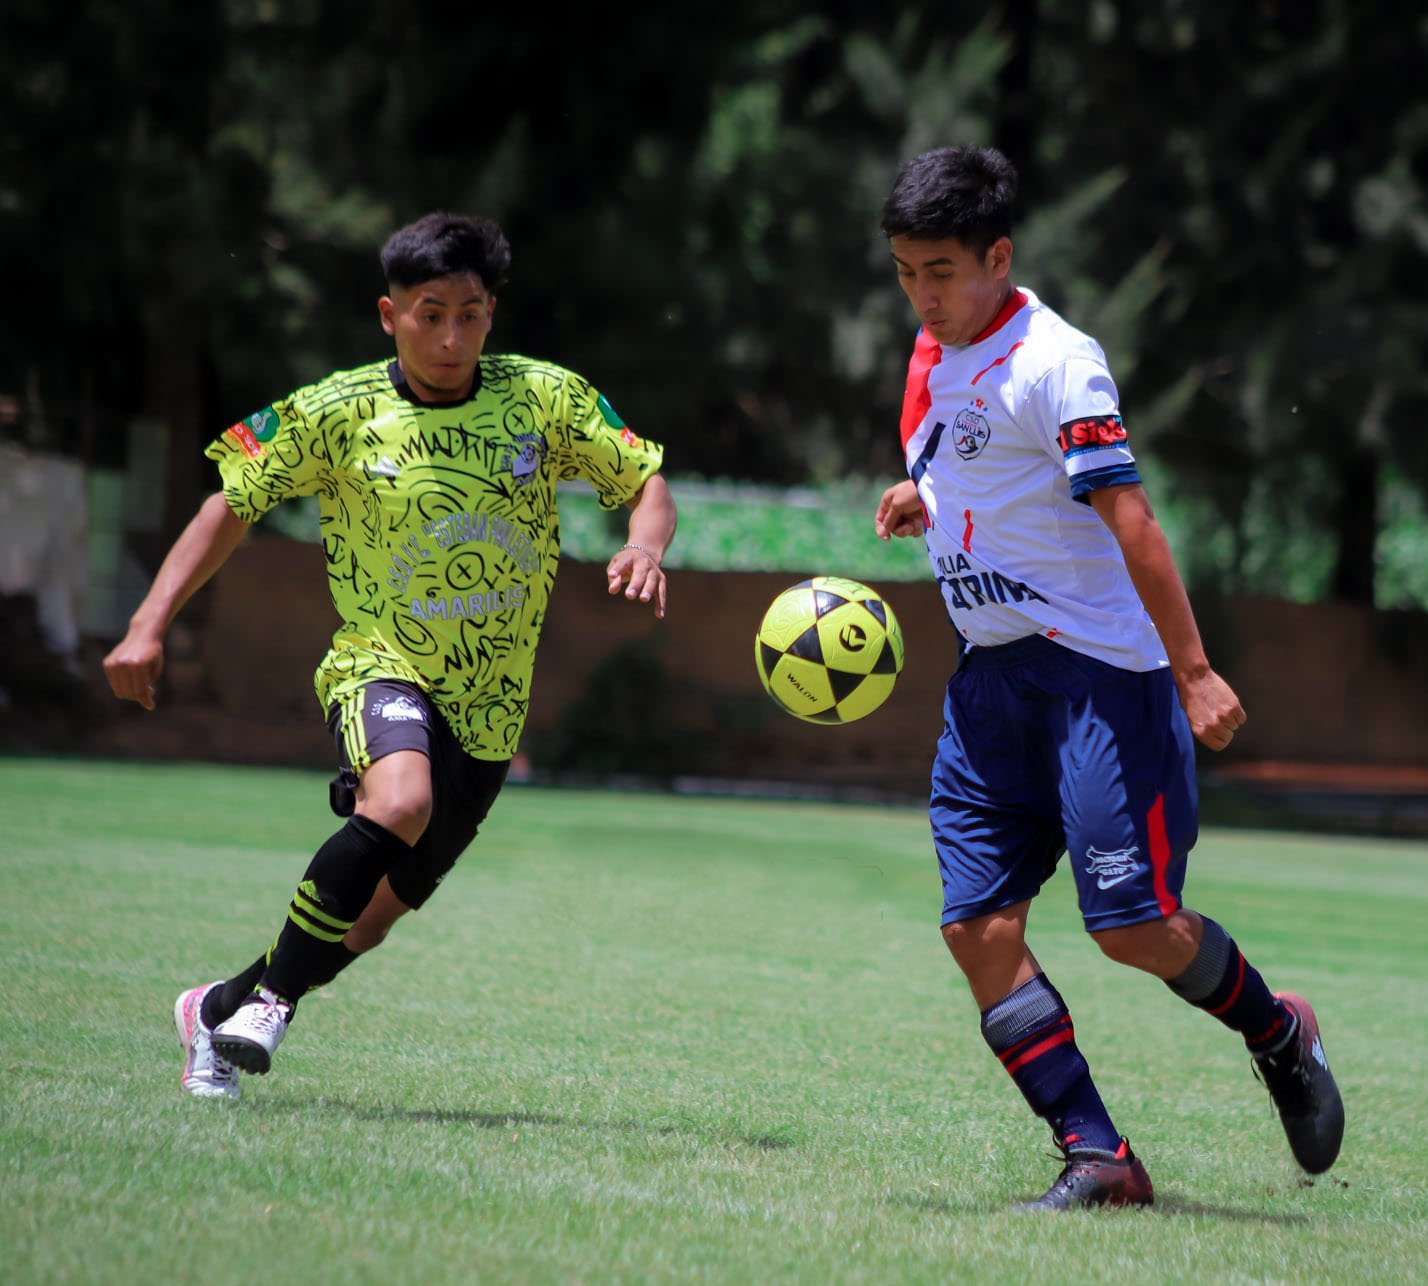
<point>962,192</point>
<point>441,245</point>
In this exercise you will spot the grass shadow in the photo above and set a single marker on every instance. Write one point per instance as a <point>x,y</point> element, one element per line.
<point>763,1141</point>
<point>1165,1205</point>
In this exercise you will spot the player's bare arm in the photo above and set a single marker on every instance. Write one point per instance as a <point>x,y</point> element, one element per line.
<point>899,512</point>
<point>134,666</point>
<point>637,566</point>
<point>1210,703</point>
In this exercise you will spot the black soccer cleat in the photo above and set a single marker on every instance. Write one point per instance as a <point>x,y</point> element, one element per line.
<point>1096,1179</point>
<point>1303,1089</point>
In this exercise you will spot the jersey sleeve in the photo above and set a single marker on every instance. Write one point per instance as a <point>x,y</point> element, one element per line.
<point>595,444</point>
<point>1076,409</point>
<point>270,456</point>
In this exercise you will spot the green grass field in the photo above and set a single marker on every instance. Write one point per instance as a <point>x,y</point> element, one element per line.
<point>651,1038</point>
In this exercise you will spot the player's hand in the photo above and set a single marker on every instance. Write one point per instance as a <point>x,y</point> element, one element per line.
<point>133,669</point>
<point>899,512</point>
<point>1214,711</point>
<point>639,572</point>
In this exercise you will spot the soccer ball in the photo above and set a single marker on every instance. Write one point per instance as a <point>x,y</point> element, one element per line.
<point>828,650</point>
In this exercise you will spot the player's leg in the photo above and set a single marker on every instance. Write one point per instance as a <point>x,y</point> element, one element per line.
<point>1129,843</point>
<point>383,733</point>
<point>463,790</point>
<point>997,841</point>
<point>1280,1031</point>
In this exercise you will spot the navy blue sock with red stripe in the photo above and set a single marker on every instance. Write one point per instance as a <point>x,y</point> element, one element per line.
<point>1226,986</point>
<point>1030,1031</point>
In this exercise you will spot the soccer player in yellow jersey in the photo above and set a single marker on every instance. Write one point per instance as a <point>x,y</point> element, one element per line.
<point>436,478</point>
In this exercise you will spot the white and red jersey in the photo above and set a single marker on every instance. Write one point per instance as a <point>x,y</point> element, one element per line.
<point>1006,437</point>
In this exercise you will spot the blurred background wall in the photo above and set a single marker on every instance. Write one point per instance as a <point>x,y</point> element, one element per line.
<point>1234,200</point>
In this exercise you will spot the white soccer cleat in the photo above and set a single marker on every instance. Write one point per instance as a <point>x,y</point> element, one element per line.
<point>248,1039</point>
<point>205,1074</point>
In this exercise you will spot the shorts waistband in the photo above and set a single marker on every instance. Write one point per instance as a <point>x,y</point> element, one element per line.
<point>1002,655</point>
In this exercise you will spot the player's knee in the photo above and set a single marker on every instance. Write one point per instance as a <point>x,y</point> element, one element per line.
<point>961,941</point>
<point>1124,946</point>
<point>1154,946</point>
<point>342,878</point>
<point>405,812</point>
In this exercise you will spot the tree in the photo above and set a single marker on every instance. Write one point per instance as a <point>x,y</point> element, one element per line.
<point>1283,172</point>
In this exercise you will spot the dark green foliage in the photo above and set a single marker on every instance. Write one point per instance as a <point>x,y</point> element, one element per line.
<point>1233,199</point>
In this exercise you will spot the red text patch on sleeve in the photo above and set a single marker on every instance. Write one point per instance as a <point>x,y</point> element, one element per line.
<point>1091,433</point>
<point>244,439</point>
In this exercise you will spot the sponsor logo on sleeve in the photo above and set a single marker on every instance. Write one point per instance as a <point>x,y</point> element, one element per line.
<point>1094,433</point>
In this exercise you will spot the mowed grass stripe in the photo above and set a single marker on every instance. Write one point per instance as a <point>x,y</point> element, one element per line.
<point>641,1037</point>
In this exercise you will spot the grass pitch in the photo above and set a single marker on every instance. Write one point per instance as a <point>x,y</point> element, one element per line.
<point>650,1038</point>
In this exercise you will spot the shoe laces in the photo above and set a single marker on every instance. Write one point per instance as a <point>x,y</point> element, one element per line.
<point>269,1018</point>
<point>1085,1159</point>
<point>1286,1076</point>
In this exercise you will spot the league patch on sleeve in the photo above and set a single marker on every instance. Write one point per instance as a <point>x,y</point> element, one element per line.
<point>250,433</point>
<point>242,437</point>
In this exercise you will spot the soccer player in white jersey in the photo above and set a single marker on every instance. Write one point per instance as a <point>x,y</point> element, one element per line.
<point>1082,679</point>
<point>436,480</point>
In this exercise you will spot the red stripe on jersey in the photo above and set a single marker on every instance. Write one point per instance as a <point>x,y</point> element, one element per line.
<point>1160,855</point>
<point>998,362</point>
<point>916,400</point>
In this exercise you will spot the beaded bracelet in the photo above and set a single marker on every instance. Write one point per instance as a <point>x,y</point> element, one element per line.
<point>643,550</point>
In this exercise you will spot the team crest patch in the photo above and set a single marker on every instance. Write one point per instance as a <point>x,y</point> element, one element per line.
<point>970,433</point>
<point>523,458</point>
<point>398,710</point>
<point>1113,867</point>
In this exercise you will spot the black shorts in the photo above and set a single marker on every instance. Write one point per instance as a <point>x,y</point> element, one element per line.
<point>387,715</point>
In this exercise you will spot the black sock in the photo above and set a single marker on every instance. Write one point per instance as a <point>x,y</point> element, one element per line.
<point>335,890</point>
<point>1226,986</point>
<point>1030,1031</point>
<point>222,1001</point>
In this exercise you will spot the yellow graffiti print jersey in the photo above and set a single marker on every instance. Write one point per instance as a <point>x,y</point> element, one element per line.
<point>438,521</point>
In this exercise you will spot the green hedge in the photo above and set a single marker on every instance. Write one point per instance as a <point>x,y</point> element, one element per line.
<point>728,526</point>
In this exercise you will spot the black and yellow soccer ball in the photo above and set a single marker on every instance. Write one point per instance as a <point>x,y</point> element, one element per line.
<point>829,650</point>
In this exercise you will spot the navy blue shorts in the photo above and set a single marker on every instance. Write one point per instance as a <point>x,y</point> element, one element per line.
<point>387,715</point>
<point>1045,751</point>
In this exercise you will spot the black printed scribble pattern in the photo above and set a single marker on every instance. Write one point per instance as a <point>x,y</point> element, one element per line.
<point>439,523</point>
